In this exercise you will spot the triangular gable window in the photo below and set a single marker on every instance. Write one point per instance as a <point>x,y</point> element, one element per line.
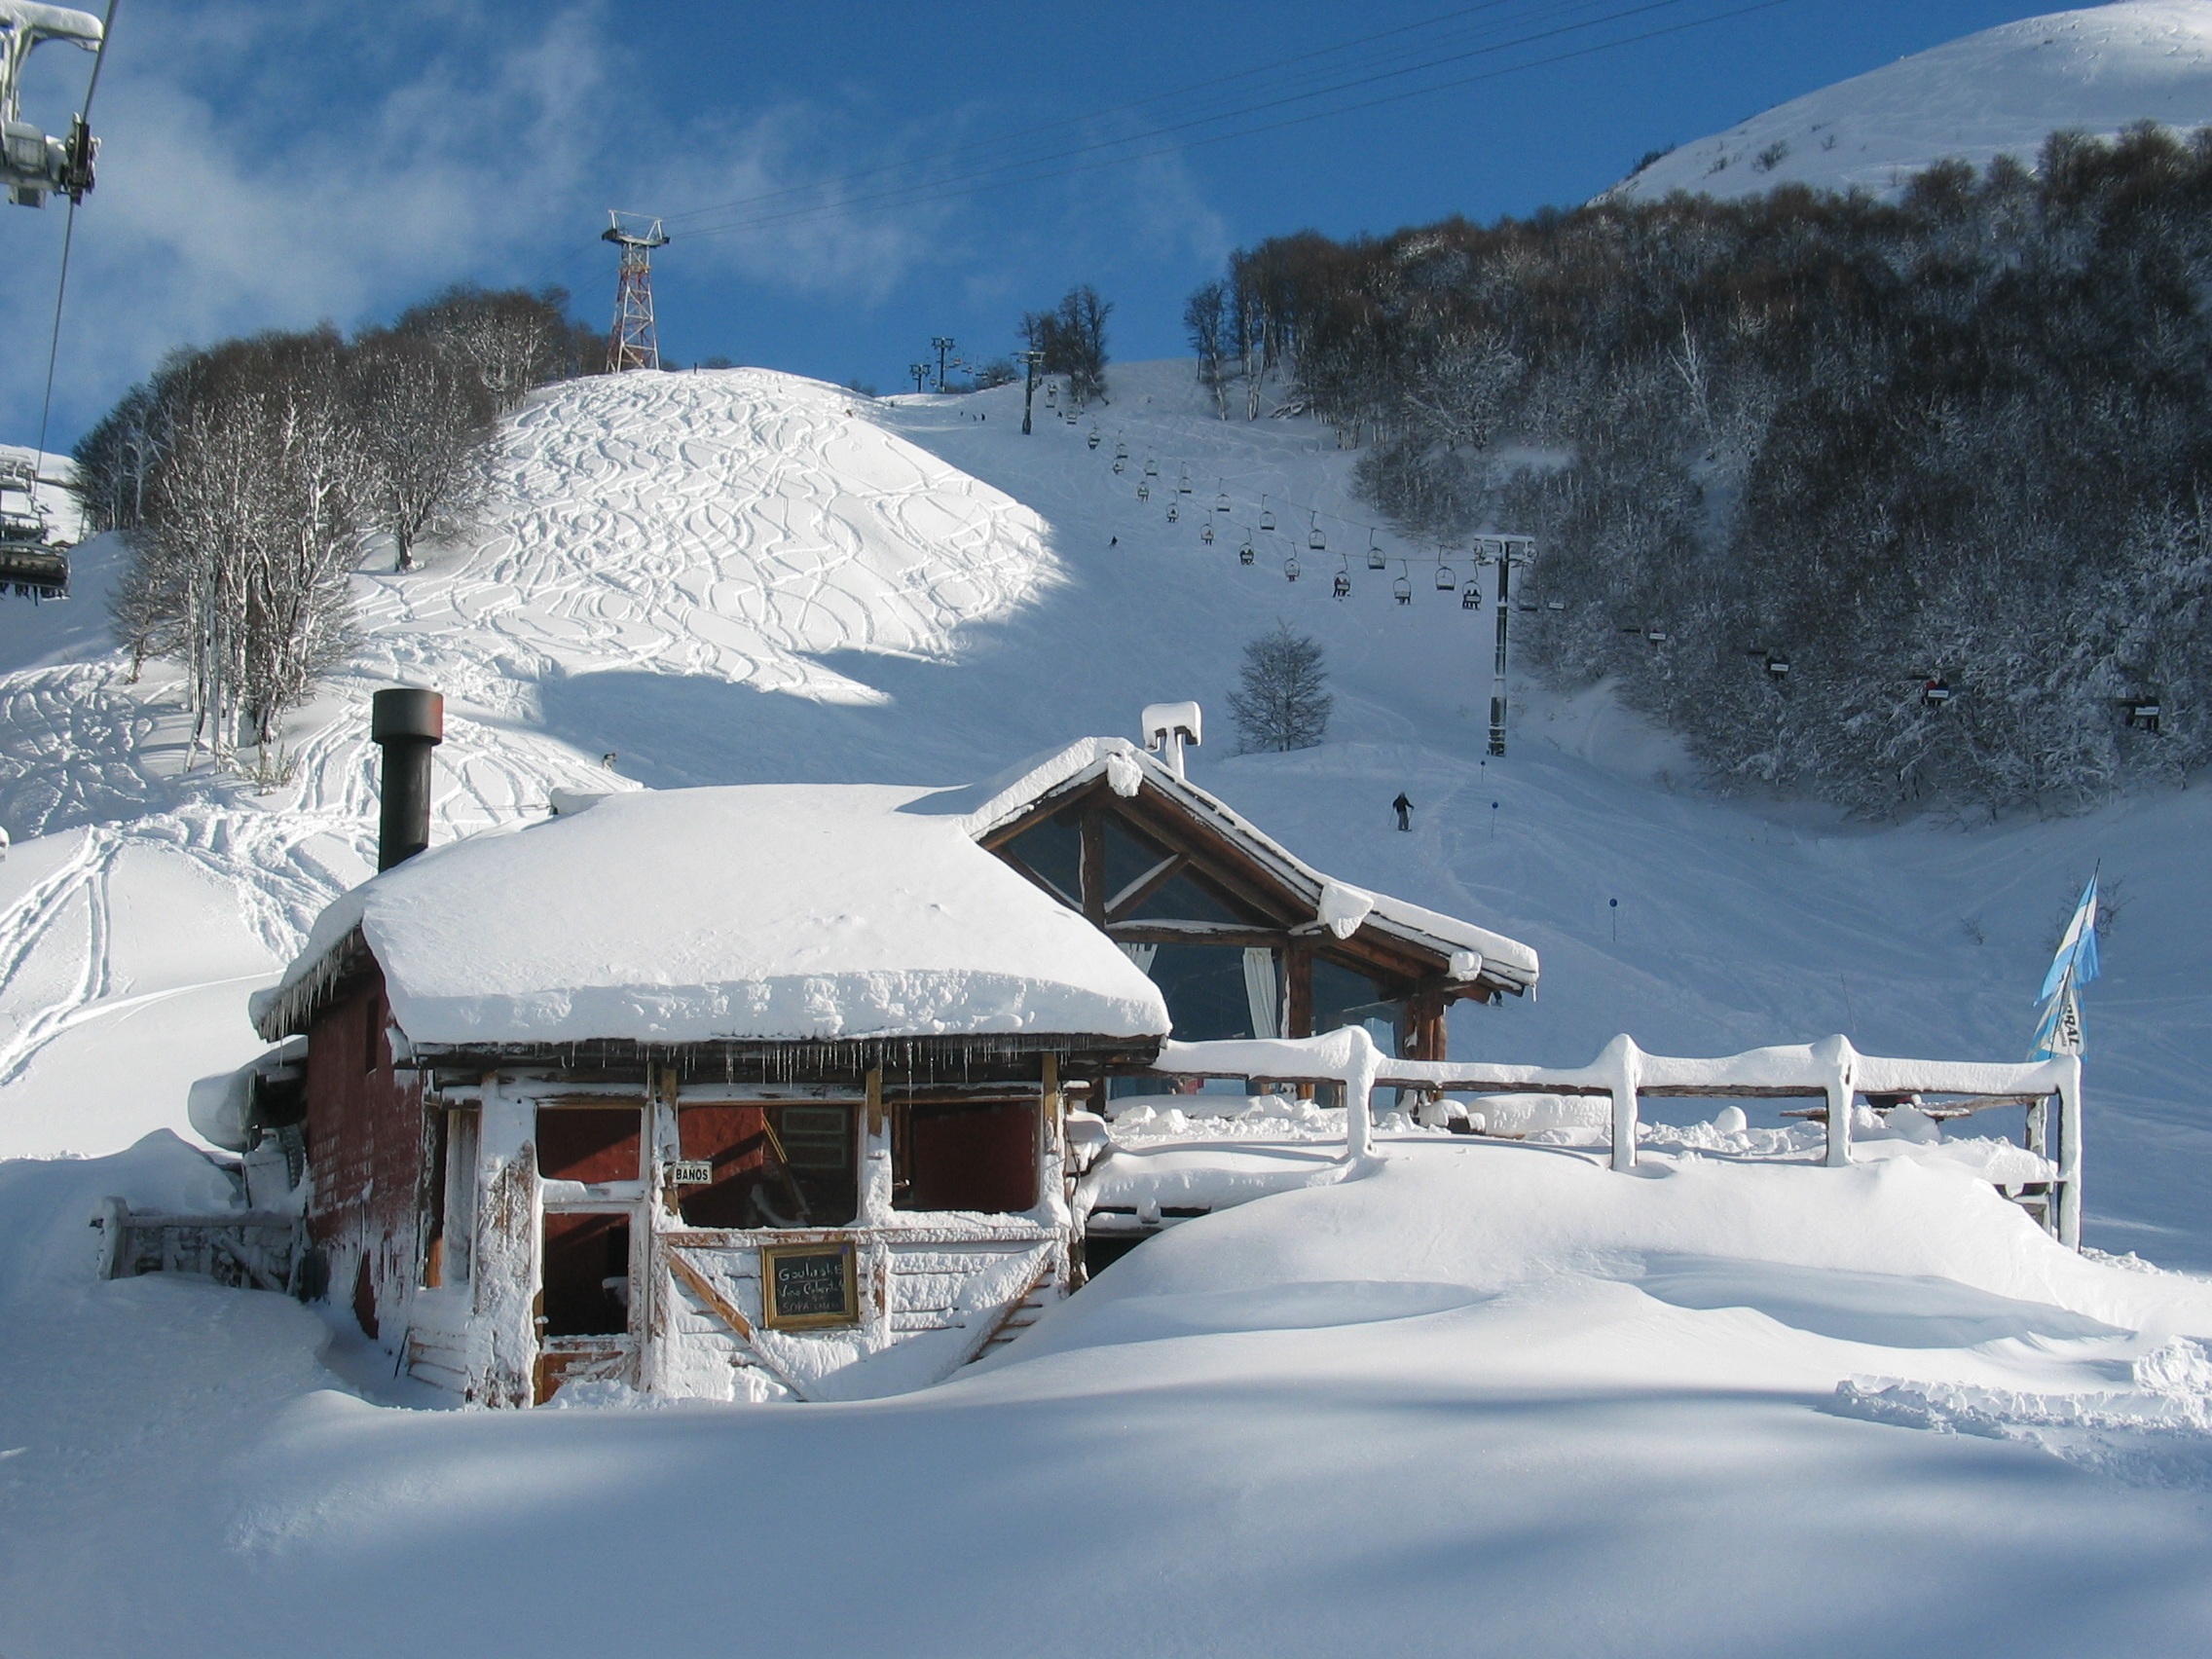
<point>1187,898</point>
<point>1051,850</point>
<point>1130,855</point>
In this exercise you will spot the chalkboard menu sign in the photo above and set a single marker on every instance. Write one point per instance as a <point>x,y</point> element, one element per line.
<point>805,1287</point>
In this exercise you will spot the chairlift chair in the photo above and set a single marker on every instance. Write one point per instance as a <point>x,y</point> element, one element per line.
<point>1314,540</point>
<point>1151,467</point>
<point>1171,512</point>
<point>1267,515</point>
<point>1144,491</point>
<point>1471,596</point>
<point>1220,501</point>
<point>1342,587</point>
<point>1290,569</point>
<point>29,561</point>
<point>1446,581</point>
<point>1120,449</point>
<point>1777,666</point>
<point>1936,692</point>
<point>2143,713</point>
<point>1375,559</point>
<point>1555,605</point>
<point>1403,587</point>
<point>1247,554</point>
<point>1092,442</point>
<point>1117,468</point>
<point>1206,535</point>
<point>1657,636</point>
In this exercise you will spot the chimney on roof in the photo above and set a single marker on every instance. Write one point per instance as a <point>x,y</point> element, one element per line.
<point>1168,726</point>
<point>408,722</point>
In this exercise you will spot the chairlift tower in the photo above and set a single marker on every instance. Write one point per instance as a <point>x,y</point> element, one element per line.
<point>632,343</point>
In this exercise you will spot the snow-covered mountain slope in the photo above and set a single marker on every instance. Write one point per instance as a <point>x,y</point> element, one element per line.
<point>726,577</point>
<point>2003,90</point>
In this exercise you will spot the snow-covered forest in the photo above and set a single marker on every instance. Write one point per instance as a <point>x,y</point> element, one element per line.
<point>1794,456</point>
<point>247,477</point>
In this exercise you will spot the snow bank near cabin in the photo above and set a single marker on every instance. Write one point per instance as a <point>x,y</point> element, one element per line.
<point>746,912</point>
<point>2001,91</point>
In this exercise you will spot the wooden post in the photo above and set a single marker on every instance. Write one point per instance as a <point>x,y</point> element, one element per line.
<point>2069,1107</point>
<point>1094,893</point>
<point>875,1155</point>
<point>1840,1060</point>
<point>1298,988</point>
<point>1621,1056</point>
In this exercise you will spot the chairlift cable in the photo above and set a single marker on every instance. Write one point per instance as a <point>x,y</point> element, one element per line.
<point>1211,85</point>
<point>957,188</point>
<point>68,238</point>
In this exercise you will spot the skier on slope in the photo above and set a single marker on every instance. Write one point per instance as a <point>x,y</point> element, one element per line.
<point>1404,809</point>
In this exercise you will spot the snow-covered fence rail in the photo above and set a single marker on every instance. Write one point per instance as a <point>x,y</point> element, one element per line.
<point>251,1249</point>
<point>1830,1071</point>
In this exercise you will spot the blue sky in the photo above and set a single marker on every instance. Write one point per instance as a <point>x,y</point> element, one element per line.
<point>271,165</point>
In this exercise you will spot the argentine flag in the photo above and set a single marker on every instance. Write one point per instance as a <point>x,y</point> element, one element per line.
<point>2059,1030</point>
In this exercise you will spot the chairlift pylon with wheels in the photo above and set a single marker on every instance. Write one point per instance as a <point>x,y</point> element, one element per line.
<point>34,165</point>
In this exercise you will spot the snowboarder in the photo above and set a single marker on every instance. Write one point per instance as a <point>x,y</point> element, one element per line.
<point>1404,808</point>
<point>1113,542</point>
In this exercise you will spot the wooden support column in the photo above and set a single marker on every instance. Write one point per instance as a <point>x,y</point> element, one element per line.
<point>1298,988</point>
<point>1095,867</point>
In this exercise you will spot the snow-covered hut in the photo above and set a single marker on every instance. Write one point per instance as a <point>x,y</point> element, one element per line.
<point>741,1092</point>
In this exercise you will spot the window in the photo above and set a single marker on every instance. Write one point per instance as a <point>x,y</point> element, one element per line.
<point>773,1166</point>
<point>1054,851</point>
<point>450,1226</point>
<point>1129,855</point>
<point>586,1275</point>
<point>1207,991</point>
<point>592,1144</point>
<point>1345,996</point>
<point>964,1155</point>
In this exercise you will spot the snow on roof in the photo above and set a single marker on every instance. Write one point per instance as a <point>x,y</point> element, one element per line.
<point>983,807</point>
<point>755,914</point>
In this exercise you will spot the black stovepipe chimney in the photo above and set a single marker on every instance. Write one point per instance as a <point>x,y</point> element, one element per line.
<point>409,721</point>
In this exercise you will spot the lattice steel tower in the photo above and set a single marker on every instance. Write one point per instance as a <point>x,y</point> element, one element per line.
<point>632,343</point>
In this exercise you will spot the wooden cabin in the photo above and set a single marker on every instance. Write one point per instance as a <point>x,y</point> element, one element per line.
<point>762,1092</point>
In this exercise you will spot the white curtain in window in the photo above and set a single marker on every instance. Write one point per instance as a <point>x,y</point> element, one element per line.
<point>1141,955</point>
<point>1260,991</point>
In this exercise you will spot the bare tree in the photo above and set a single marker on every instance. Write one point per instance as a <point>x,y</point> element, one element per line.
<point>1282,698</point>
<point>1205,321</point>
<point>515,340</point>
<point>425,419</point>
<point>1073,340</point>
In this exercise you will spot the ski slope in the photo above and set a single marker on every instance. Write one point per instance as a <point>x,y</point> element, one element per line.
<point>1490,1399</point>
<point>738,576</point>
<point>2001,91</point>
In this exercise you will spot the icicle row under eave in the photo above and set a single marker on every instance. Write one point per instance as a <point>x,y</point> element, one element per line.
<point>294,1007</point>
